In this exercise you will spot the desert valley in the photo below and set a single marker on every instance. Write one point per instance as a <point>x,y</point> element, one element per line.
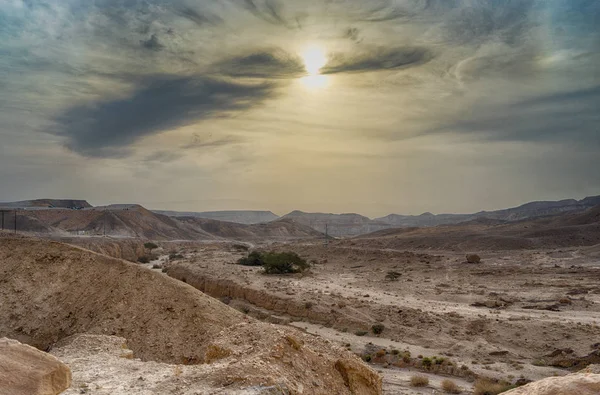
<point>136,301</point>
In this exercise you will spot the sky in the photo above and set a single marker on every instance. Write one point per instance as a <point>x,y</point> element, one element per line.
<point>375,107</point>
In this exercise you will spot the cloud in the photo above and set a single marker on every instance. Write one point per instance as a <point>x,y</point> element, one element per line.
<point>262,63</point>
<point>161,157</point>
<point>563,117</point>
<point>503,76</point>
<point>485,20</point>
<point>152,43</point>
<point>200,18</point>
<point>377,59</point>
<point>385,10</point>
<point>353,34</point>
<point>270,11</point>
<point>159,103</point>
<point>210,141</point>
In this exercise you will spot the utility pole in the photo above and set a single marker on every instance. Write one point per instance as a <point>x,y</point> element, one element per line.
<point>15,221</point>
<point>326,235</point>
<point>2,219</point>
<point>104,223</point>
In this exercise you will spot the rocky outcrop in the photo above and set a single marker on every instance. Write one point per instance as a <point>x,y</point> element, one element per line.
<point>585,382</point>
<point>250,358</point>
<point>25,370</point>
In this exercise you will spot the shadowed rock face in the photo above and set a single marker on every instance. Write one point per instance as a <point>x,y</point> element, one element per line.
<point>25,370</point>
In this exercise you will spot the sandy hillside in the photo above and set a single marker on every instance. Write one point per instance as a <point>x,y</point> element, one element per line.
<point>51,291</point>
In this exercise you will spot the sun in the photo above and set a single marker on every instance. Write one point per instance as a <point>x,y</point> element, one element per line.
<point>314,59</point>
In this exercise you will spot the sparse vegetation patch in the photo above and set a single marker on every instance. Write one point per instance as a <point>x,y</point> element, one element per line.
<point>276,262</point>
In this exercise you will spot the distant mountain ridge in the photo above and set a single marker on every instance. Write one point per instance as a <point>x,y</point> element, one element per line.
<point>247,217</point>
<point>524,211</point>
<point>348,224</point>
<point>135,221</point>
<point>338,225</point>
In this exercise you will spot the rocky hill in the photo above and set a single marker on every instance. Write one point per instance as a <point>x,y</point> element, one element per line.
<point>282,228</point>
<point>556,231</point>
<point>134,221</point>
<point>247,217</point>
<point>337,224</point>
<point>163,320</point>
<point>525,211</point>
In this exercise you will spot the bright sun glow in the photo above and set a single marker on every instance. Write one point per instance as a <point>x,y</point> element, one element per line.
<point>314,81</point>
<point>314,58</point>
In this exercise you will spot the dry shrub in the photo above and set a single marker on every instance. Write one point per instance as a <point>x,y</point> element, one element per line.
<point>487,387</point>
<point>450,387</point>
<point>473,258</point>
<point>295,343</point>
<point>419,381</point>
<point>177,371</point>
<point>214,353</point>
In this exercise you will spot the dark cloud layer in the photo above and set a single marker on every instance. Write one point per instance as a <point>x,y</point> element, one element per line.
<point>377,59</point>
<point>562,117</point>
<point>263,63</point>
<point>159,103</point>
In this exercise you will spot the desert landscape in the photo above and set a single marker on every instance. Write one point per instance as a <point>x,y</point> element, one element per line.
<point>282,197</point>
<point>482,305</point>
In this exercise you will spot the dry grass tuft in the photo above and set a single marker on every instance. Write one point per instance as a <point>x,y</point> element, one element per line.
<point>487,387</point>
<point>450,387</point>
<point>419,381</point>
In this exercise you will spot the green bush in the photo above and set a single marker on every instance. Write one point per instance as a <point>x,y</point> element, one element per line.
<point>377,328</point>
<point>254,259</point>
<point>143,259</point>
<point>283,262</point>
<point>150,246</point>
<point>427,362</point>
<point>276,262</point>
<point>392,276</point>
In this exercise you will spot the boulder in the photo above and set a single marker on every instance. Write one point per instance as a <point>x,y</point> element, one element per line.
<point>581,383</point>
<point>25,370</point>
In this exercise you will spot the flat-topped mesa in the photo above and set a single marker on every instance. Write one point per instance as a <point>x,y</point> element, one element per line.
<point>74,204</point>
